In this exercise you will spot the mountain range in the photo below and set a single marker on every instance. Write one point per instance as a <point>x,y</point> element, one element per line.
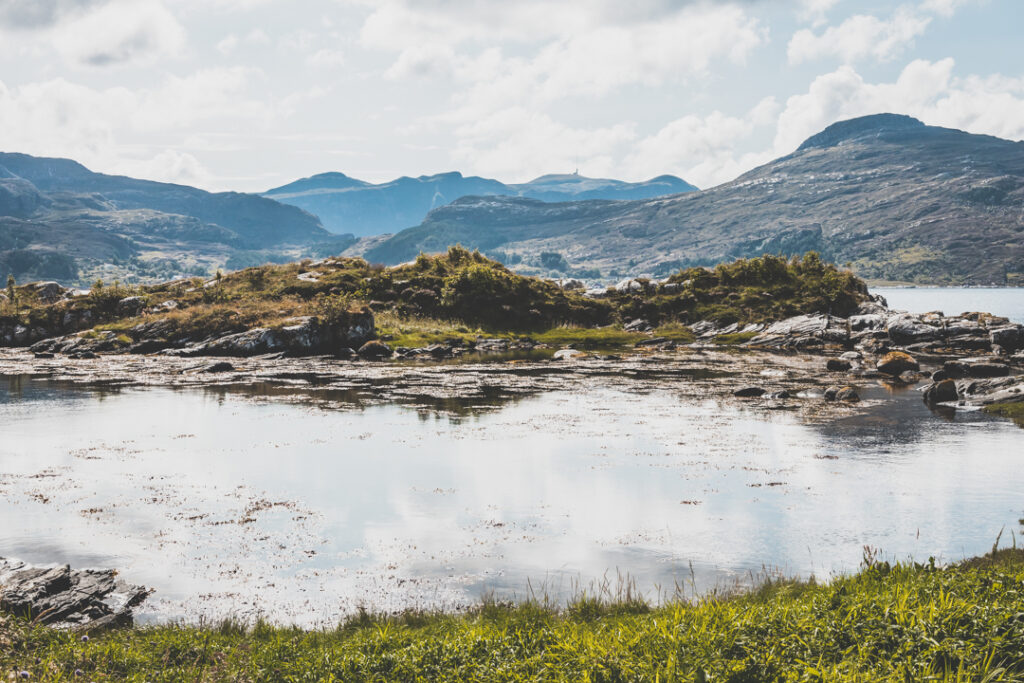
<point>895,198</point>
<point>59,220</point>
<point>348,205</point>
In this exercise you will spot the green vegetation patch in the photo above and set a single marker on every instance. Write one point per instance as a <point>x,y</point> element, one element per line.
<point>457,295</point>
<point>1014,411</point>
<point>906,622</point>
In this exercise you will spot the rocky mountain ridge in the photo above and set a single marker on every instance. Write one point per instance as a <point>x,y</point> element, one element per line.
<point>59,220</point>
<point>897,199</point>
<point>349,205</point>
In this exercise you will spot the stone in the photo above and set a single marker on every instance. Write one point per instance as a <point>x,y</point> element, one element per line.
<point>906,329</point>
<point>941,392</point>
<point>749,392</point>
<point>831,393</point>
<point>221,366</point>
<point>848,394</point>
<point>131,306</point>
<point>630,285</point>
<point>959,369</point>
<point>1011,338</point>
<point>896,363</point>
<point>852,356</point>
<point>44,354</point>
<point>67,598</point>
<point>837,365</point>
<point>638,325</point>
<point>48,292</point>
<point>375,350</point>
<point>568,354</point>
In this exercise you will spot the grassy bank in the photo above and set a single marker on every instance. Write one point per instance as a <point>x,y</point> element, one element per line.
<point>458,294</point>
<point>886,623</point>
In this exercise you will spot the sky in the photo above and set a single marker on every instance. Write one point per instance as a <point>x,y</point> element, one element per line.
<point>250,94</point>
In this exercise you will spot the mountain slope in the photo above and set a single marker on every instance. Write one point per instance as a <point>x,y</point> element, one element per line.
<point>60,220</point>
<point>345,204</point>
<point>898,199</point>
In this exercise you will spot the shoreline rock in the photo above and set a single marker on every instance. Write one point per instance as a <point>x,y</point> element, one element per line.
<point>80,599</point>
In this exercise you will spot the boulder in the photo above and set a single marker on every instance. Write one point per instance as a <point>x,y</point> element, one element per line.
<point>896,363</point>
<point>1011,337</point>
<point>131,306</point>
<point>848,394</point>
<point>375,350</point>
<point>630,285</point>
<point>837,365</point>
<point>48,292</point>
<point>959,369</point>
<point>638,325</point>
<point>67,598</point>
<point>831,393</point>
<point>906,329</point>
<point>749,392</point>
<point>941,392</point>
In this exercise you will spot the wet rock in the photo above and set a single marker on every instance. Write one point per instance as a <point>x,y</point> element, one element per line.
<point>780,394</point>
<point>439,351</point>
<point>852,356</point>
<point>940,375</point>
<point>375,350</point>
<point>43,354</point>
<point>848,394</point>
<point>148,346</point>
<point>568,354</point>
<point>959,369</point>
<point>345,353</point>
<point>61,596</point>
<point>749,392</point>
<point>837,365</point>
<point>491,345</point>
<point>941,392</point>
<point>896,362</point>
<point>662,342</point>
<point>222,366</point>
<point>82,355</point>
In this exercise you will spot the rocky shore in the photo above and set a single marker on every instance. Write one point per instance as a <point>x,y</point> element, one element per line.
<point>79,599</point>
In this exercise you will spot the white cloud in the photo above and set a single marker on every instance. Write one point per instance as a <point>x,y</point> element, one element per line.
<point>326,57</point>
<point>859,37</point>
<point>101,127</point>
<point>926,90</point>
<point>118,32</point>
<point>815,10</point>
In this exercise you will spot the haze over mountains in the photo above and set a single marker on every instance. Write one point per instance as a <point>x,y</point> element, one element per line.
<point>896,198</point>
<point>62,221</point>
<point>348,205</point>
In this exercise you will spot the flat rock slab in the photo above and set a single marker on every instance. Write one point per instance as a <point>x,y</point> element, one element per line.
<point>82,599</point>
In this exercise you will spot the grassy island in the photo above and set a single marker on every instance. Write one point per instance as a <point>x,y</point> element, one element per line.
<point>904,622</point>
<point>458,294</point>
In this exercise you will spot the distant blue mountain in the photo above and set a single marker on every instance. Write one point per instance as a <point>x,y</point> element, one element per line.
<point>349,205</point>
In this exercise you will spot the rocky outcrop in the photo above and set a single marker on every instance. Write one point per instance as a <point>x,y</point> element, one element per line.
<point>63,597</point>
<point>304,336</point>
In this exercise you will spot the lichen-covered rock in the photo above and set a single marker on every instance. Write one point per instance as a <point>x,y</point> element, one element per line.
<point>375,350</point>
<point>896,363</point>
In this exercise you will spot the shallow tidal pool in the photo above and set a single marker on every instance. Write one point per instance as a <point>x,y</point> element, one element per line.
<point>230,503</point>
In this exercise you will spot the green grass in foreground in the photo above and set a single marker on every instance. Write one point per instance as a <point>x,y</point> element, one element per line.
<point>899,623</point>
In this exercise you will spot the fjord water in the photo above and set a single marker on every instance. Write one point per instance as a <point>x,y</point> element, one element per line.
<point>232,504</point>
<point>1004,301</point>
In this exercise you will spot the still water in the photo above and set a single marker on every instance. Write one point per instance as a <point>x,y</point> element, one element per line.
<point>232,504</point>
<point>1004,301</point>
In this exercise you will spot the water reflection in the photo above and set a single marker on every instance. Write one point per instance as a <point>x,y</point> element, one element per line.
<point>240,499</point>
